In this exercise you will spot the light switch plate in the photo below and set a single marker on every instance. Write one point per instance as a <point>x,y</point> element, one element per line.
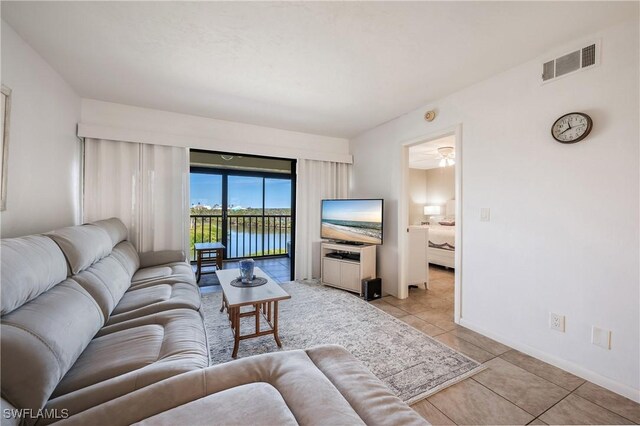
<point>601,337</point>
<point>485,214</point>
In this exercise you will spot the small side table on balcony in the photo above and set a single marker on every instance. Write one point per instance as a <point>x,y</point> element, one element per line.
<point>208,254</point>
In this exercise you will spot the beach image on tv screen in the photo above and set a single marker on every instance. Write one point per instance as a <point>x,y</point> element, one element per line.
<point>352,220</point>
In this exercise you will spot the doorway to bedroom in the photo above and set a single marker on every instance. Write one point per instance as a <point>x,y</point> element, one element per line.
<point>430,212</point>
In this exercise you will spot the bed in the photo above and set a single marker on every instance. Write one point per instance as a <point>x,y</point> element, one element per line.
<point>442,241</point>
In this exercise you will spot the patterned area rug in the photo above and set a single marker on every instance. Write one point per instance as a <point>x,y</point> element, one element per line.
<point>412,364</point>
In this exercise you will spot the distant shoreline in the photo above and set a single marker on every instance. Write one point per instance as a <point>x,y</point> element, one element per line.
<point>332,232</point>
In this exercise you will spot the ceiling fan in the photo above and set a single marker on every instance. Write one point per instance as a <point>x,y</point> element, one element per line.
<point>447,156</point>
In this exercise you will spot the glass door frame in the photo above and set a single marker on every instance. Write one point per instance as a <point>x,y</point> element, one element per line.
<point>225,173</point>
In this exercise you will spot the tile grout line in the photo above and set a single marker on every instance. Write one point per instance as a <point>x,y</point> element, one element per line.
<point>595,403</point>
<point>604,408</point>
<point>508,400</point>
<point>543,378</point>
<point>435,408</point>
<point>561,399</point>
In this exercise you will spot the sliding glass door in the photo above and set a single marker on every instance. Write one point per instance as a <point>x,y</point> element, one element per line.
<point>251,213</point>
<point>206,210</point>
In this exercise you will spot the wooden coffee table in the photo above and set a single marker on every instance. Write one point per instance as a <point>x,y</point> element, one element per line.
<point>264,300</point>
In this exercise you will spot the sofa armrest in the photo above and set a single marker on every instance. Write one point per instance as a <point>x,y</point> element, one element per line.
<point>374,402</point>
<point>155,258</point>
<point>313,397</point>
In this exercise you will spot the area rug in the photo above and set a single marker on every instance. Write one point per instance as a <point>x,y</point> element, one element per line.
<point>411,363</point>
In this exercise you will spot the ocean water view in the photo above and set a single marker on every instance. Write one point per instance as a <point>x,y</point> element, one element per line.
<point>248,235</point>
<point>247,244</point>
<point>352,230</point>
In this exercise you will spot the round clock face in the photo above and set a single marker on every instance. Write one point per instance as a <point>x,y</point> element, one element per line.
<point>572,127</point>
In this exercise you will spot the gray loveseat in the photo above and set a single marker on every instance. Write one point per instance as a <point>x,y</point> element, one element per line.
<point>94,333</point>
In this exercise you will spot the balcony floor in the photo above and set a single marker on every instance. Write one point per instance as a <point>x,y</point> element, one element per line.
<point>278,268</point>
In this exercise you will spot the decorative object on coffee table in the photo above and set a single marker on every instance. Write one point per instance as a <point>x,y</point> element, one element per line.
<point>246,270</point>
<point>208,254</point>
<point>264,300</point>
<point>254,282</point>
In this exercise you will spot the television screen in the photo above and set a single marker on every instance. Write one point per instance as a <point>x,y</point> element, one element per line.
<point>357,221</point>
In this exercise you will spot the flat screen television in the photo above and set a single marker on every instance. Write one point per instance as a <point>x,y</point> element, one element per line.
<point>352,221</point>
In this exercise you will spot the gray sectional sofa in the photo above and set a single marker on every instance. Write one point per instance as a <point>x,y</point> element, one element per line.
<point>94,333</point>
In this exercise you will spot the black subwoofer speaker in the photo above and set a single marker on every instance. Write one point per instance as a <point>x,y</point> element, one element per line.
<point>372,289</point>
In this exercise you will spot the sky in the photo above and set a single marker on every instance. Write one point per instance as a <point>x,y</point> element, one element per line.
<point>206,189</point>
<point>356,210</point>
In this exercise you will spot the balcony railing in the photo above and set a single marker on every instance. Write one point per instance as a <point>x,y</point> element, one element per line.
<point>247,235</point>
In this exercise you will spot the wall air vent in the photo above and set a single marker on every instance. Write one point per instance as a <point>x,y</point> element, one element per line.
<point>577,60</point>
<point>589,56</point>
<point>548,70</point>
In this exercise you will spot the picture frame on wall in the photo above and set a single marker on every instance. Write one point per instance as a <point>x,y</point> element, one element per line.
<point>5,114</point>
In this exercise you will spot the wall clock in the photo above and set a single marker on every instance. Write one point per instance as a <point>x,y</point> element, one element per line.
<point>572,127</point>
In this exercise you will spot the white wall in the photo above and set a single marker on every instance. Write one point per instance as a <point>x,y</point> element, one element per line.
<point>44,153</point>
<point>440,186</point>
<point>417,195</point>
<point>563,235</point>
<point>108,120</point>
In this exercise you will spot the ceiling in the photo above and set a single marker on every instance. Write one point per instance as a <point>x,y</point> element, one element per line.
<point>425,156</point>
<point>330,68</point>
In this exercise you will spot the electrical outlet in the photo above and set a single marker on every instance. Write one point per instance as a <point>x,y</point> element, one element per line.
<point>556,322</point>
<point>485,214</point>
<point>601,337</point>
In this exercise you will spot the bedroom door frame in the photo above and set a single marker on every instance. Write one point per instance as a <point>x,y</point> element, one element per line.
<point>403,216</point>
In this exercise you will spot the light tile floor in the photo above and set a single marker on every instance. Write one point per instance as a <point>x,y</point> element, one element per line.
<point>515,388</point>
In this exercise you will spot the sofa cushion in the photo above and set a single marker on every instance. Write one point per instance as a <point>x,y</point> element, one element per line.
<point>29,266</point>
<point>250,404</point>
<point>42,340</point>
<point>308,393</point>
<point>131,355</point>
<point>115,228</point>
<point>82,245</point>
<point>113,355</point>
<point>106,281</point>
<point>143,301</point>
<point>171,272</point>
<point>161,257</point>
<point>127,255</point>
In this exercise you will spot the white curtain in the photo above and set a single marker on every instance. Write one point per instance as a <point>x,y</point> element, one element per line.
<point>316,180</point>
<point>146,186</point>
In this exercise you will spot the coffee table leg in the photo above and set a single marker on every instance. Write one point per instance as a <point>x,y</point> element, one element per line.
<point>222,307</point>
<point>275,324</point>
<point>257,310</point>
<point>219,258</point>
<point>235,325</point>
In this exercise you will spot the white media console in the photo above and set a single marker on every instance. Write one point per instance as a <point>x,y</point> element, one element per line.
<point>358,263</point>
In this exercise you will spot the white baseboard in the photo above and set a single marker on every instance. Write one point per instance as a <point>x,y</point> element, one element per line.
<point>605,382</point>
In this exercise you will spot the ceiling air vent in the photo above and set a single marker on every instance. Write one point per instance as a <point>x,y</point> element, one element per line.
<point>570,63</point>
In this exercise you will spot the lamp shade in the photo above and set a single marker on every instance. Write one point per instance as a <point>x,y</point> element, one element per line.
<point>431,210</point>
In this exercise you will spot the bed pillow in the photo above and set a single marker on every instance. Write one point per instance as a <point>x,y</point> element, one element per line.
<point>447,222</point>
